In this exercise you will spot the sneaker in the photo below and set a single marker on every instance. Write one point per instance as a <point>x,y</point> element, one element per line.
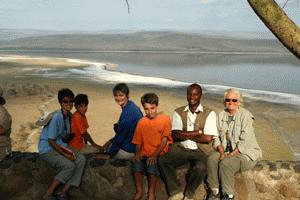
<point>62,196</point>
<point>212,195</point>
<point>227,197</point>
<point>49,197</point>
<point>178,196</point>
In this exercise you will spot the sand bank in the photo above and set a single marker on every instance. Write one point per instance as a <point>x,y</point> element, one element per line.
<point>27,97</point>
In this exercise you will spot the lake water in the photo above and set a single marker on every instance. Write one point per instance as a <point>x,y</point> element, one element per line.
<point>269,77</point>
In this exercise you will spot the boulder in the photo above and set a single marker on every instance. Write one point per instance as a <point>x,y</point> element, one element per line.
<point>25,176</point>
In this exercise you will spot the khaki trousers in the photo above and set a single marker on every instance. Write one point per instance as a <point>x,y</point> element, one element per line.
<point>224,171</point>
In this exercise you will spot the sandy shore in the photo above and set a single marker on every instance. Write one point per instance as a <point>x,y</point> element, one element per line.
<point>27,97</point>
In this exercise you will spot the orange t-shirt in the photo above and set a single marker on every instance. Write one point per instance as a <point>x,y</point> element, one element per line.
<point>149,134</point>
<point>79,126</point>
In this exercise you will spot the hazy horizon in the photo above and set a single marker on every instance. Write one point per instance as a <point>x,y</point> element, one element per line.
<point>155,15</point>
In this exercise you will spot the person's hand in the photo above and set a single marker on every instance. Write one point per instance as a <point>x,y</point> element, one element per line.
<point>151,160</point>
<point>222,156</point>
<point>106,145</point>
<point>101,149</point>
<point>70,156</point>
<point>136,158</point>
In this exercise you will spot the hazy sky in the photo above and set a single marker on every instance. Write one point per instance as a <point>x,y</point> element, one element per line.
<point>99,15</point>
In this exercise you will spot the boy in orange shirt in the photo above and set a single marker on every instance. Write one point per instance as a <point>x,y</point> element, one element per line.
<point>79,126</point>
<point>152,136</point>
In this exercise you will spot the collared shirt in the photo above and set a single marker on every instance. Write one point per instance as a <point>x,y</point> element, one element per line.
<point>129,118</point>
<point>210,127</point>
<point>240,132</point>
<point>54,130</point>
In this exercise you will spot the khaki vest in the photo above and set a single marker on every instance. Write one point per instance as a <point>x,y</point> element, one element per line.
<point>198,125</point>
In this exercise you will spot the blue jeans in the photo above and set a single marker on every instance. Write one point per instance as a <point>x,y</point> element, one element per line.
<point>141,166</point>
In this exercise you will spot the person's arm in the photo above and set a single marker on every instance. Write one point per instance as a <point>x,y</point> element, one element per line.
<point>179,135</point>
<point>210,130</point>
<point>221,151</point>
<point>125,122</point>
<point>88,138</point>
<point>137,155</point>
<point>235,152</point>
<point>202,138</point>
<point>246,135</point>
<point>177,129</point>
<point>54,128</point>
<point>153,158</point>
<point>57,148</point>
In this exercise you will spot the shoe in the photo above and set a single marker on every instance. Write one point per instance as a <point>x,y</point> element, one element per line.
<point>178,196</point>
<point>49,197</point>
<point>226,197</point>
<point>212,195</point>
<point>62,196</point>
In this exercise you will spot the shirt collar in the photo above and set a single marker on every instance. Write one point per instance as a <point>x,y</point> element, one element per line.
<point>198,109</point>
<point>226,116</point>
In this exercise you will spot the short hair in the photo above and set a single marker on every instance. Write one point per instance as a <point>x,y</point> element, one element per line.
<point>236,91</point>
<point>122,87</point>
<point>150,98</point>
<point>81,99</point>
<point>64,92</point>
<point>195,85</point>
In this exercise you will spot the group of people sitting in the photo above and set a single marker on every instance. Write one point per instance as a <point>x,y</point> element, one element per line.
<point>216,147</point>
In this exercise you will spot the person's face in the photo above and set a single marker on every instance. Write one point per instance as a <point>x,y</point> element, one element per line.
<point>150,110</point>
<point>67,104</point>
<point>232,101</point>
<point>120,98</point>
<point>82,108</point>
<point>193,96</point>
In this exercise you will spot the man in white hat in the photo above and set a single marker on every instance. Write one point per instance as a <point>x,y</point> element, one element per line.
<point>5,129</point>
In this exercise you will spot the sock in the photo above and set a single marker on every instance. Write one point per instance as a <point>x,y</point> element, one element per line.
<point>215,191</point>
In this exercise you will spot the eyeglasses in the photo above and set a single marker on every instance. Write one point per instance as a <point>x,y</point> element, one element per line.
<point>66,101</point>
<point>233,100</point>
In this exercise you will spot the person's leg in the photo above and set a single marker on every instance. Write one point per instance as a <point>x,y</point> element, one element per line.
<point>152,180</point>
<point>138,177</point>
<point>123,155</point>
<point>138,167</point>
<point>152,174</point>
<point>77,174</point>
<point>52,188</point>
<point>196,173</point>
<point>64,167</point>
<point>213,171</point>
<point>167,166</point>
<point>227,169</point>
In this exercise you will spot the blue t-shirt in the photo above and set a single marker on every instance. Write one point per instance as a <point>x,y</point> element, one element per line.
<point>129,118</point>
<point>54,130</point>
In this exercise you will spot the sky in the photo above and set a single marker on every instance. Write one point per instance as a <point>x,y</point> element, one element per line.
<point>102,15</point>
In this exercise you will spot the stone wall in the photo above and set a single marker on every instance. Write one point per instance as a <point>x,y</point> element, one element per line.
<point>25,176</point>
